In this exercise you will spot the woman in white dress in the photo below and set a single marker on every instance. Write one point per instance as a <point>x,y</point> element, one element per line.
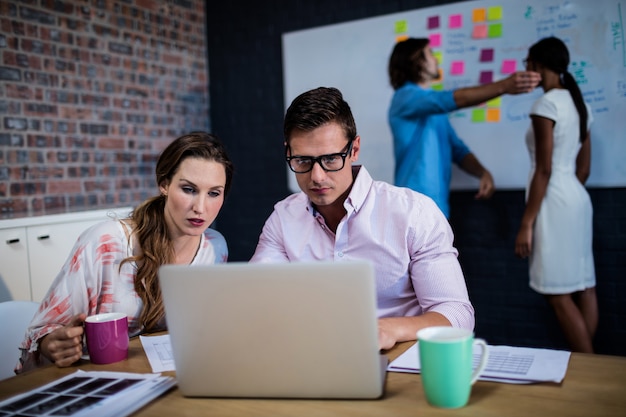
<point>556,228</point>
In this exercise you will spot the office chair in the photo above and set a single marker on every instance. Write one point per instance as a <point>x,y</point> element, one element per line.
<point>15,317</point>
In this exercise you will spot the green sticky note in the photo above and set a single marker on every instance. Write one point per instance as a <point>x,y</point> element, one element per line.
<point>478,115</point>
<point>437,87</point>
<point>494,13</point>
<point>401,26</point>
<point>495,30</point>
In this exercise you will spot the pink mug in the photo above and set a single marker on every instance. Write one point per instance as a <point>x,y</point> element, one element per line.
<point>107,337</point>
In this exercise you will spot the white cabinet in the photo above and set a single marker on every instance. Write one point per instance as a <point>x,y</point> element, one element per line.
<point>33,250</point>
<point>48,248</point>
<point>14,271</point>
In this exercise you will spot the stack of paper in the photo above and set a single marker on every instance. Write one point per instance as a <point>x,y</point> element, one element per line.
<point>93,394</point>
<point>513,365</point>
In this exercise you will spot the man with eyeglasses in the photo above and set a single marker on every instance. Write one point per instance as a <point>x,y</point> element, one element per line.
<point>342,214</point>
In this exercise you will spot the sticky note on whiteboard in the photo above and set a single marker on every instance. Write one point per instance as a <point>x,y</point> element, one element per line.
<point>435,40</point>
<point>486,77</point>
<point>457,68</point>
<point>495,102</point>
<point>479,15</point>
<point>508,66</point>
<point>401,26</point>
<point>495,30</point>
<point>438,56</point>
<point>493,115</point>
<point>478,115</point>
<point>433,22</point>
<point>455,21</point>
<point>486,55</point>
<point>479,32</point>
<point>494,13</point>
<point>439,75</point>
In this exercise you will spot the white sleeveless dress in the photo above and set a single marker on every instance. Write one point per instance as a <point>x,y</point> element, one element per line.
<point>561,261</point>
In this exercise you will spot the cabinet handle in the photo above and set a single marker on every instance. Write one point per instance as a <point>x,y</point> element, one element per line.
<point>43,237</point>
<point>10,241</point>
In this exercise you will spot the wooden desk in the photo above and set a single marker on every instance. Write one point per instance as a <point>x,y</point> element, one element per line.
<point>595,385</point>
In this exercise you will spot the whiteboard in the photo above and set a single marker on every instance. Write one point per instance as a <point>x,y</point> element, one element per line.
<point>353,57</point>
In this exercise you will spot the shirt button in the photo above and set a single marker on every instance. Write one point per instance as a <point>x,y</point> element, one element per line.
<point>340,254</point>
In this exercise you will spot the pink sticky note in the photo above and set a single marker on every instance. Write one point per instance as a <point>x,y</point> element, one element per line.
<point>455,21</point>
<point>508,66</point>
<point>435,40</point>
<point>486,55</point>
<point>457,68</point>
<point>479,32</point>
<point>486,77</point>
<point>433,22</point>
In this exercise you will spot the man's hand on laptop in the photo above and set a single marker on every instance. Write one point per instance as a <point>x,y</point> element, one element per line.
<point>386,337</point>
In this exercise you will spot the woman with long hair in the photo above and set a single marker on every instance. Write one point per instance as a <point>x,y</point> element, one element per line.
<point>556,227</point>
<point>113,265</point>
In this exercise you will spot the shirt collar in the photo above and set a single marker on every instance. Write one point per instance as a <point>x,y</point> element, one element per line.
<point>360,187</point>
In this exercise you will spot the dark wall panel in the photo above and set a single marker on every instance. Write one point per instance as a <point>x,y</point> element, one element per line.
<point>244,42</point>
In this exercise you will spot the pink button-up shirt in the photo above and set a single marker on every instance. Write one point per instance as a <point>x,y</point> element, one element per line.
<point>403,233</point>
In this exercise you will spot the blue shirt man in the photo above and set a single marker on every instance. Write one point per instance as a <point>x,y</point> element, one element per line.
<point>425,143</point>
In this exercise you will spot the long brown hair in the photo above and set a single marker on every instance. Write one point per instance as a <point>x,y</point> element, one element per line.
<point>149,225</point>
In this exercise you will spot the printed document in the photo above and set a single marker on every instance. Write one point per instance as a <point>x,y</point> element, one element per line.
<point>513,365</point>
<point>89,394</point>
<point>159,352</point>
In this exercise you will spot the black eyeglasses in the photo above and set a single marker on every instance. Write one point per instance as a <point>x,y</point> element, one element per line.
<point>330,163</point>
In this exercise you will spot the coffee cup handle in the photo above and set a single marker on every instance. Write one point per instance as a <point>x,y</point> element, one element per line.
<point>483,360</point>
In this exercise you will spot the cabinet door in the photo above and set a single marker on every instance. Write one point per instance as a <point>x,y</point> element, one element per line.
<point>14,272</point>
<point>48,248</point>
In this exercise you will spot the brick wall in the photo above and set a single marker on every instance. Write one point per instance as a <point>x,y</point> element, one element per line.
<point>90,93</point>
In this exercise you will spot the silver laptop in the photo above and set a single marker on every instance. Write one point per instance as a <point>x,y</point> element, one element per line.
<point>291,330</point>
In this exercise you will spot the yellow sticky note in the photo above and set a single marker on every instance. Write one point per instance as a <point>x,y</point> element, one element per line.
<point>401,38</point>
<point>494,13</point>
<point>495,102</point>
<point>493,115</point>
<point>479,15</point>
<point>401,26</point>
<point>438,56</point>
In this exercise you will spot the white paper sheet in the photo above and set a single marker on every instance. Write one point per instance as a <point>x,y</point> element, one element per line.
<point>513,365</point>
<point>159,352</point>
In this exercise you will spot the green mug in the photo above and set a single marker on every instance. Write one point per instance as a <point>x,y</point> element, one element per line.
<point>446,357</point>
